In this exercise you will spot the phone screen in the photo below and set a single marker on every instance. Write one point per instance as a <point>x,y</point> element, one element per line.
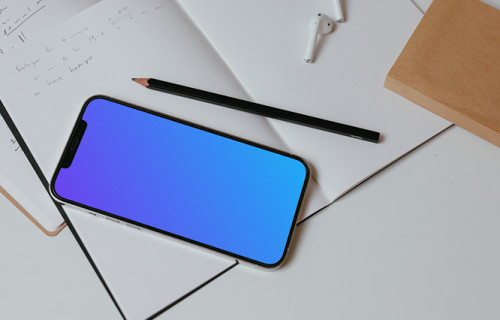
<point>180,179</point>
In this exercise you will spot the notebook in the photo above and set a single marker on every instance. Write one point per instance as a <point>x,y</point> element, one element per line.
<point>20,184</point>
<point>20,20</point>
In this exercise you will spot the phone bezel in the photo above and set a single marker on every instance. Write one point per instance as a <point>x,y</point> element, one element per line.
<point>78,205</point>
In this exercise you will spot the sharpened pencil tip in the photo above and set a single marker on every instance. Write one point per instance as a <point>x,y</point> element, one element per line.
<point>142,81</point>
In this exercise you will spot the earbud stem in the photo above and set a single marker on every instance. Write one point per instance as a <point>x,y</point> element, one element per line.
<point>337,10</point>
<point>311,43</point>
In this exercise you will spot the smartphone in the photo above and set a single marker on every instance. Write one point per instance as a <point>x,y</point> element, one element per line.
<point>176,178</point>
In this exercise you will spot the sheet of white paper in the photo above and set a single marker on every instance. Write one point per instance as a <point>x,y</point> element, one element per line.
<point>20,20</point>
<point>19,179</point>
<point>98,52</point>
<point>344,84</point>
<point>145,273</point>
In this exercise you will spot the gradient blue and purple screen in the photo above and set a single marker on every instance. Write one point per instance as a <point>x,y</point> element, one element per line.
<point>208,188</point>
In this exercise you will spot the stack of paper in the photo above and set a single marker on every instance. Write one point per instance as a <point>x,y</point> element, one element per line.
<point>20,21</point>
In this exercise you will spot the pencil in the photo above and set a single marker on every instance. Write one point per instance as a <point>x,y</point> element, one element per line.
<point>260,109</point>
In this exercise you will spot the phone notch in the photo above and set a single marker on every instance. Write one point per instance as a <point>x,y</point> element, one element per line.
<point>74,143</point>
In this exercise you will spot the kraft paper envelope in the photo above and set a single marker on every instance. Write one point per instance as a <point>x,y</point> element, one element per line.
<point>451,66</point>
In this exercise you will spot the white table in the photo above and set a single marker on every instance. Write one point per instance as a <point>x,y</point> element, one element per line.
<point>43,277</point>
<point>419,240</point>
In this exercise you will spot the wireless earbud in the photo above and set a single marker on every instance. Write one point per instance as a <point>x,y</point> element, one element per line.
<point>337,10</point>
<point>320,25</point>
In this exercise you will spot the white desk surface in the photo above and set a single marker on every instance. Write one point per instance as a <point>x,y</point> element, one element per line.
<point>45,277</point>
<point>419,240</point>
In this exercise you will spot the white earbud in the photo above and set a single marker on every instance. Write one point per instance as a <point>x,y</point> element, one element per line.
<point>337,10</point>
<point>320,25</point>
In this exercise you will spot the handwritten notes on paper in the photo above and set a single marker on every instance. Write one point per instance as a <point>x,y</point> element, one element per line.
<point>48,79</point>
<point>14,144</point>
<point>71,53</point>
<point>10,143</point>
<point>97,52</point>
<point>14,14</point>
<point>20,19</point>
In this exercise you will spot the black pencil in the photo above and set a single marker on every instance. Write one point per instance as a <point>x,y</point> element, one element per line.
<point>260,109</point>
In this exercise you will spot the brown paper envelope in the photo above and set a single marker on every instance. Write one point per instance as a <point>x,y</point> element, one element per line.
<point>451,66</point>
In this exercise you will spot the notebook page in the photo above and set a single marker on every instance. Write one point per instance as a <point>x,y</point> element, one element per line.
<point>344,84</point>
<point>20,20</point>
<point>19,181</point>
